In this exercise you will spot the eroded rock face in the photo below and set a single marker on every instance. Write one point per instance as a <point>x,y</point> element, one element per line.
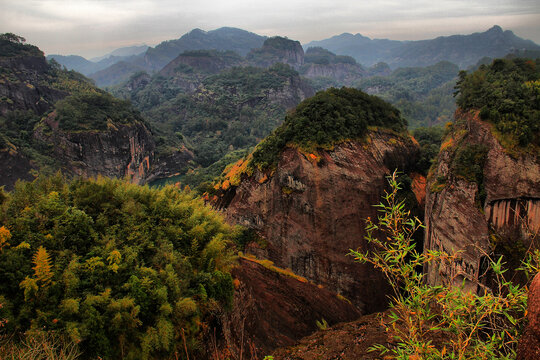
<point>15,167</point>
<point>344,73</point>
<point>122,151</point>
<point>171,164</point>
<point>312,213</point>
<point>23,85</point>
<point>272,309</point>
<point>461,214</point>
<point>529,343</point>
<point>277,50</point>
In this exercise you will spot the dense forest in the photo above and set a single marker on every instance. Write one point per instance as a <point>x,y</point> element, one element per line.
<point>124,271</point>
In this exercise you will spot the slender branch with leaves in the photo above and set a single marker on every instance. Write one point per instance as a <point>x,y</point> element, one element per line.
<point>442,321</point>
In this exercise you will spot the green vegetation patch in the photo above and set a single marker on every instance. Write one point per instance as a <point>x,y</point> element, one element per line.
<point>92,111</point>
<point>327,118</point>
<point>507,93</point>
<point>125,271</point>
<point>14,45</point>
<point>321,56</point>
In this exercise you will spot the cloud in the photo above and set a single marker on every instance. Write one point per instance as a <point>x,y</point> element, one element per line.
<point>92,27</point>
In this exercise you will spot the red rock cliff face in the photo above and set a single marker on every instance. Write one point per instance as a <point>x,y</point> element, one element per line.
<point>123,151</point>
<point>456,221</point>
<point>311,214</point>
<point>273,309</point>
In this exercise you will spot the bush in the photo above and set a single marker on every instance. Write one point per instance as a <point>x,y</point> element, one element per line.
<point>464,324</point>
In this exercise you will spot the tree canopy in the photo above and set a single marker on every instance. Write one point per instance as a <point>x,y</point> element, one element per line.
<point>125,271</point>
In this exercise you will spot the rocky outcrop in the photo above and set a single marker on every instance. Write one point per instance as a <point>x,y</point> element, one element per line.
<point>122,151</point>
<point>346,341</point>
<point>343,73</point>
<point>14,167</point>
<point>311,211</point>
<point>171,164</point>
<point>529,343</point>
<point>274,308</point>
<point>21,85</point>
<point>277,50</point>
<point>461,214</point>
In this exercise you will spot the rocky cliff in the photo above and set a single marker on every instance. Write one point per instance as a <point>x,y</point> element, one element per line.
<point>277,50</point>
<point>122,151</point>
<point>481,198</point>
<point>342,73</point>
<point>273,307</point>
<point>22,85</point>
<point>312,210</point>
<point>95,134</point>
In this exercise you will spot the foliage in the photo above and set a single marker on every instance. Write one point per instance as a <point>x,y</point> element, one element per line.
<point>229,111</point>
<point>120,269</point>
<point>93,111</point>
<point>507,93</point>
<point>328,117</point>
<point>430,139</point>
<point>469,162</point>
<point>422,94</point>
<point>439,322</point>
<point>14,45</point>
<point>39,345</point>
<point>319,55</point>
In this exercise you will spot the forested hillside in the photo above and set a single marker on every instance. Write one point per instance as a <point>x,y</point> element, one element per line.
<point>123,271</point>
<point>52,119</point>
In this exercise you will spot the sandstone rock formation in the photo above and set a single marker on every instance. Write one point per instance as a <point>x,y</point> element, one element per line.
<point>529,343</point>
<point>461,214</point>
<point>312,210</point>
<point>274,308</point>
<point>122,151</point>
<point>277,50</point>
<point>342,73</point>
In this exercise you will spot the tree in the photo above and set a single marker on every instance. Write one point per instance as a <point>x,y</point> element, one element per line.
<point>11,37</point>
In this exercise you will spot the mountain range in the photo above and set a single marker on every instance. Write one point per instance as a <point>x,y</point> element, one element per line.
<point>462,50</point>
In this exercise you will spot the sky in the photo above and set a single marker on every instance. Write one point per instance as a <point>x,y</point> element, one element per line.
<point>95,27</point>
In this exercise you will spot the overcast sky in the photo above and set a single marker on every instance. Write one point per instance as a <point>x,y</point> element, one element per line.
<point>95,27</point>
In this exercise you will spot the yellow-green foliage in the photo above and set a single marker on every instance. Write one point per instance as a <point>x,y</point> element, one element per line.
<point>122,270</point>
<point>270,266</point>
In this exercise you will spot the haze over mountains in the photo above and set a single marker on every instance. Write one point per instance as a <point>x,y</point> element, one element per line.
<point>462,50</point>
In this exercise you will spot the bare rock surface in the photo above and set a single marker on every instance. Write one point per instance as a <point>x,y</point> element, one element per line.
<point>311,213</point>
<point>529,344</point>
<point>275,308</point>
<point>462,214</point>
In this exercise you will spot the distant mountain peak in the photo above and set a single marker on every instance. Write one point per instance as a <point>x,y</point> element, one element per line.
<point>496,29</point>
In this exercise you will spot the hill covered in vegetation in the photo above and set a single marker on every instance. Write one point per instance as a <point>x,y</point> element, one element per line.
<point>463,50</point>
<point>507,93</point>
<point>325,119</point>
<point>51,119</point>
<point>121,270</point>
<point>423,94</point>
